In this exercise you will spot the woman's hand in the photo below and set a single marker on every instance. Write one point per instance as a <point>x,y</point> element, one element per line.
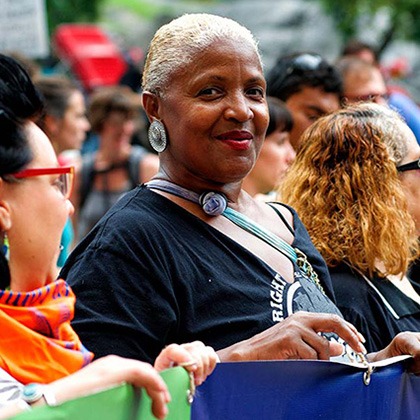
<point>403,343</point>
<point>113,370</point>
<point>297,337</point>
<point>195,357</point>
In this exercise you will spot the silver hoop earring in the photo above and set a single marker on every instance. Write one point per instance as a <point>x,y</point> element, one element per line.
<point>157,136</point>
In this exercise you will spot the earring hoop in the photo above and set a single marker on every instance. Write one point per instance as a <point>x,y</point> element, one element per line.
<point>157,136</point>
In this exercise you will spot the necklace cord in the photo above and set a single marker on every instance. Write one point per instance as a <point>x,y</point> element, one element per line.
<point>215,204</point>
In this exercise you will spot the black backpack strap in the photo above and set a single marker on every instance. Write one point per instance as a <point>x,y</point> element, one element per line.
<point>136,156</point>
<point>87,176</point>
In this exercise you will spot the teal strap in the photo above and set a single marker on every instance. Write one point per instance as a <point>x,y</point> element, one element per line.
<point>275,241</point>
<point>234,216</point>
<point>247,224</point>
<point>216,203</point>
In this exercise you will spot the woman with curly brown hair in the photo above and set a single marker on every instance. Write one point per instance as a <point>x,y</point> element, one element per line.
<point>346,187</point>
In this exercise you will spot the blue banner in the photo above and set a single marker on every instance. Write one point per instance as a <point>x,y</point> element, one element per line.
<point>307,390</point>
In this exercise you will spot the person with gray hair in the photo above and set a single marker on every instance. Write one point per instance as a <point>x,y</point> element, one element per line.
<point>190,253</point>
<point>175,46</point>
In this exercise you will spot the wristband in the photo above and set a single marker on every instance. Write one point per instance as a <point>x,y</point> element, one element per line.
<point>33,392</point>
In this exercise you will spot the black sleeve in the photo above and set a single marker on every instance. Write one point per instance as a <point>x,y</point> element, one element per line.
<point>362,307</point>
<point>414,274</point>
<point>125,302</point>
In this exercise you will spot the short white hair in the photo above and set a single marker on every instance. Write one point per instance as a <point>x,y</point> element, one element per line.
<point>175,45</point>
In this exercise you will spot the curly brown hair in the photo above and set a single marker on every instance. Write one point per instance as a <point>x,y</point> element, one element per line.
<point>345,188</point>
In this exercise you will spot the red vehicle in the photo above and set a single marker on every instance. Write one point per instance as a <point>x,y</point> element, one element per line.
<point>90,54</point>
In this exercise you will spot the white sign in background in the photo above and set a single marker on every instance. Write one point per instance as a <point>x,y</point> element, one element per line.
<point>23,27</point>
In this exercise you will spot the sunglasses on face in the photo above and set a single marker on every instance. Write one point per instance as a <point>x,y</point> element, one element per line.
<point>372,97</point>
<point>409,166</point>
<point>64,181</point>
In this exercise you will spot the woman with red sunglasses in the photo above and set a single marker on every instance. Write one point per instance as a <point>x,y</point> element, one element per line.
<point>65,123</point>
<point>42,358</point>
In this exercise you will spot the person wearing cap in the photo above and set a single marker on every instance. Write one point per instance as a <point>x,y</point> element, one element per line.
<point>309,85</point>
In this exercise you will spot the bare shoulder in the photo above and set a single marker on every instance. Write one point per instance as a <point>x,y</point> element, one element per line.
<point>275,217</point>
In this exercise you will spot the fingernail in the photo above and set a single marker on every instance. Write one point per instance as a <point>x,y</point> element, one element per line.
<point>362,338</point>
<point>362,348</point>
<point>167,396</point>
<point>165,412</point>
<point>191,363</point>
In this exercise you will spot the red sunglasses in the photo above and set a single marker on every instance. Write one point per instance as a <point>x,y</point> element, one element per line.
<point>64,182</point>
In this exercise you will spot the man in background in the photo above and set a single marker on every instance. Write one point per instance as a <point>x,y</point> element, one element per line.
<point>363,81</point>
<point>310,87</point>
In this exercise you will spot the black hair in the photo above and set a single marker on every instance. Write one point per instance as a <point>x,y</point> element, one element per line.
<point>283,81</point>
<point>280,116</point>
<point>19,102</point>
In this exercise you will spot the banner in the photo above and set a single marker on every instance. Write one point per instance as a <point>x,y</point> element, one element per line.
<point>280,390</point>
<point>296,390</point>
<point>120,403</point>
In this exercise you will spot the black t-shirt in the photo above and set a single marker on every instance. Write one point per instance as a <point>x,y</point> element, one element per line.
<point>377,308</point>
<point>152,273</point>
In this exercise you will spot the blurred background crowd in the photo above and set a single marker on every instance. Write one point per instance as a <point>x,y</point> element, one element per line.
<point>86,58</point>
<point>281,26</point>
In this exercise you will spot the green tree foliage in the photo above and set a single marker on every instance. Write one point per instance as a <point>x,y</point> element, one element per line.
<point>404,17</point>
<point>67,11</point>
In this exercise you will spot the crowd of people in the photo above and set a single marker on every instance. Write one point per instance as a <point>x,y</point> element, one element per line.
<point>39,348</point>
<point>270,217</point>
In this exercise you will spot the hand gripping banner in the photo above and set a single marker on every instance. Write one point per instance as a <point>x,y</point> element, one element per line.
<point>122,402</point>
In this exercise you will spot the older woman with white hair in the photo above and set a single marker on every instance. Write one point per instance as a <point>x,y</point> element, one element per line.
<point>190,255</point>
